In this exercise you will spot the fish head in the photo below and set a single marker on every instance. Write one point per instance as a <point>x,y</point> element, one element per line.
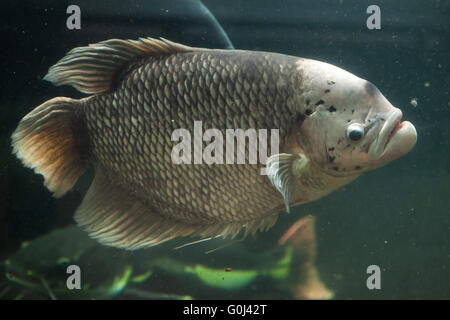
<point>348,125</point>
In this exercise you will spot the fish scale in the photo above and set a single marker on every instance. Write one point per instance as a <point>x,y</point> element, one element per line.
<point>230,181</point>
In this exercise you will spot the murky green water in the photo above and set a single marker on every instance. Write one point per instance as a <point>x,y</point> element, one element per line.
<point>396,217</point>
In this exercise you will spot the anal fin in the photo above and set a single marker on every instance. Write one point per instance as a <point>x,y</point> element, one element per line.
<point>117,219</point>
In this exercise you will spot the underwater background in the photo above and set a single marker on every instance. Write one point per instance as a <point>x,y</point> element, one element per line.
<point>396,217</point>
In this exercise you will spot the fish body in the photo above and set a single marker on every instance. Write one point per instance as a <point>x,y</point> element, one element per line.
<point>332,126</point>
<point>130,131</point>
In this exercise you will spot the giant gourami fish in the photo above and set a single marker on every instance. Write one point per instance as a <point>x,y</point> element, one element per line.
<point>333,126</point>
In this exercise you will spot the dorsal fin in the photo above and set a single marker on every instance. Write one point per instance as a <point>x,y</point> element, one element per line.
<point>91,69</point>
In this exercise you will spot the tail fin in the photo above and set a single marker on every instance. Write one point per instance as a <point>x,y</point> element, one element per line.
<point>45,141</point>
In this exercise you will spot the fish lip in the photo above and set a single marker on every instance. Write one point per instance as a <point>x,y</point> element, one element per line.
<point>395,127</point>
<point>389,129</point>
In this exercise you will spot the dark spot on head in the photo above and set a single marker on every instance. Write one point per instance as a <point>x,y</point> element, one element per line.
<point>336,168</point>
<point>330,82</point>
<point>344,109</point>
<point>353,111</point>
<point>339,141</point>
<point>332,109</point>
<point>327,90</point>
<point>308,112</point>
<point>331,159</point>
<point>308,102</point>
<point>320,102</point>
<point>299,119</point>
<point>349,120</point>
<point>331,149</point>
<point>358,168</point>
<point>370,88</point>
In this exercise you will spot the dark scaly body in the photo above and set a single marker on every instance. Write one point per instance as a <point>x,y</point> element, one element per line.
<point>130,130</point>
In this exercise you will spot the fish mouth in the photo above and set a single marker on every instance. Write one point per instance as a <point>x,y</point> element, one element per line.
<point>395,139</point>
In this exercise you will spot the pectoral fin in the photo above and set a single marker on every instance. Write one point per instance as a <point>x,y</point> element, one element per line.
<point>282,170</point>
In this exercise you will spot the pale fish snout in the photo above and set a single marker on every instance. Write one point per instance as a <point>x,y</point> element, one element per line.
<point>395,139</point>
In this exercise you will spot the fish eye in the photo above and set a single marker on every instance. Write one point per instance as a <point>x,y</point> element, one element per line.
<point>355,132</point>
